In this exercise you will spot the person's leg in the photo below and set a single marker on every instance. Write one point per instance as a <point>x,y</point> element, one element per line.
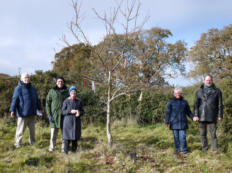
<point>31,125</point>
<point>203,133</point>
<point>62,145</point>
<point>182,134</point>
<point>19,131</point>
<point>176,140</point>
<point>212,130</point>
<point>54,133</point>
<point>66,146</point>
<point>74,146</point>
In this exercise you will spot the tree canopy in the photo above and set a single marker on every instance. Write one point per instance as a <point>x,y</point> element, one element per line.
<point>213,53</point>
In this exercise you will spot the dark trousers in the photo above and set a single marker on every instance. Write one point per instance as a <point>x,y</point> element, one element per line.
<point>180,140</point>
<point>66,145</point>
<point>203,132</point>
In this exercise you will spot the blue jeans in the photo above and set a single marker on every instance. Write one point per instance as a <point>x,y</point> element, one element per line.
<point>180,138</point>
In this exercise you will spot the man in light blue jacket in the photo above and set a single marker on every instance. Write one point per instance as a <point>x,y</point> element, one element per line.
<point>24,105</point>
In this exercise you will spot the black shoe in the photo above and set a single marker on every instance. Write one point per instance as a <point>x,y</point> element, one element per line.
<point>204,150</point>
<point>215,151</point>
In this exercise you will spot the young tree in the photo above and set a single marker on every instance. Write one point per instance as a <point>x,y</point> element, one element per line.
<point>129,58</point>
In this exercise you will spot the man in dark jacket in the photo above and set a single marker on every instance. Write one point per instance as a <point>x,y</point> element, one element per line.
<point>176,119</point>
<point>208,109</point>
<point>25,104</point>
<point>54,102</point>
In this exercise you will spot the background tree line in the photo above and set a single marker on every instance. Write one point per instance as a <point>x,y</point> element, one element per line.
<point>145,61</point>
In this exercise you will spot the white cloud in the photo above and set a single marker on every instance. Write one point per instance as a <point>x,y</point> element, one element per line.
<point>30,30</point>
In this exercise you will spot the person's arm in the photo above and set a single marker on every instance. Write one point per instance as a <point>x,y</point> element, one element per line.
<point>188,111</point>
<point>196,105</point>
<point>168,114</point>
<point>66,109</point>
<point>15,102</point>
<point>81,110</point>
<point>220,106</point>
<point>48,104</point>
<point>48,107</point>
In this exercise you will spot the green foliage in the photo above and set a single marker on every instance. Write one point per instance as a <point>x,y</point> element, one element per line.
<point>150,110</point>
<point>212,54</point>
<point>226,86</point>
<point>93,106</point>
<point>153,106</point>
<point>7,85</point>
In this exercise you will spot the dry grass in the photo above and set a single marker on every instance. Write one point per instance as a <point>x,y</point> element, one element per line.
<point>152,145</point>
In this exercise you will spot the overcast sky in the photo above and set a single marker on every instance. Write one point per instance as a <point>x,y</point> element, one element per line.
<point>30,30</point>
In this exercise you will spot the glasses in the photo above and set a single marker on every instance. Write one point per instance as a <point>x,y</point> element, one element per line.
<point>60,81</point>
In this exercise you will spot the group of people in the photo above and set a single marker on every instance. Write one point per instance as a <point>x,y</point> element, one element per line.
<point>64,112</point>
<point>63,108</point>
<point>208,109</point>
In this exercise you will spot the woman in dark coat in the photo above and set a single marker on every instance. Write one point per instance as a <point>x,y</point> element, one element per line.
<point>72,111</point>
<point>176,119</point>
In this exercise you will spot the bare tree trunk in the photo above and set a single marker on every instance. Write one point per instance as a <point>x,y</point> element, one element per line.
<point>109,136</point>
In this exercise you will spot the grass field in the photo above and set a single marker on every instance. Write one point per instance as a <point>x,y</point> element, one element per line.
<point>136,148</point>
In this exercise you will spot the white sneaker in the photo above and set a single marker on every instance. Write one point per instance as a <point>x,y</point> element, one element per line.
<point>17,146</point>
<point>50,150</point>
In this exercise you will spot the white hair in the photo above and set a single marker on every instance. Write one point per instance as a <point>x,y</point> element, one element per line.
<point>23,75</point>
<point>177,89</point>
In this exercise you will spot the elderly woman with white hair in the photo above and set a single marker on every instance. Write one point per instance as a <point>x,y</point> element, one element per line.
<point>176,119</point>
<point>24,105</point>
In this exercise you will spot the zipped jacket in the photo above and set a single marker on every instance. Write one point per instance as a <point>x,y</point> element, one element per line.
<point>208,105</point>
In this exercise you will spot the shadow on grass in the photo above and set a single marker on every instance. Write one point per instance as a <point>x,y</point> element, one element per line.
<point>36,161</point>
<point>80,167</point>
<point>148,141</point>
<point>87,143</point>
<point>32,161</point>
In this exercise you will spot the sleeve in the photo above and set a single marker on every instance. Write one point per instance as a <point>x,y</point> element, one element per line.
<point>66,109</point>
<point>38,103</point>
<point>168,113</point>
<point>196,105</point>
<point>220,105</point>
<point>15,100</point>
<point>81,110</point>
<point>188,111</point>
<point>48,104</point>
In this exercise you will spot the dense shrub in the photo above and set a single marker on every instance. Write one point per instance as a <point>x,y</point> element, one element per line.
<point>151,109</point>
<point>6,89</point>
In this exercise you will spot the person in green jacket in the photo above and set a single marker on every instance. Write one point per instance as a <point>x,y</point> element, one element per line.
<point>54,102</point>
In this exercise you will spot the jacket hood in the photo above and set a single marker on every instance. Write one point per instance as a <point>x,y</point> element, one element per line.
<point>57,88</point>
<point>181,98</point>
<point>20,83</point>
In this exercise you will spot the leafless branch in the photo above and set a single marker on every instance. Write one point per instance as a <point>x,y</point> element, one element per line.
<point>75,26</point>
<point>121,94</point>
<point>64,39</point>
<point>109,21</point>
